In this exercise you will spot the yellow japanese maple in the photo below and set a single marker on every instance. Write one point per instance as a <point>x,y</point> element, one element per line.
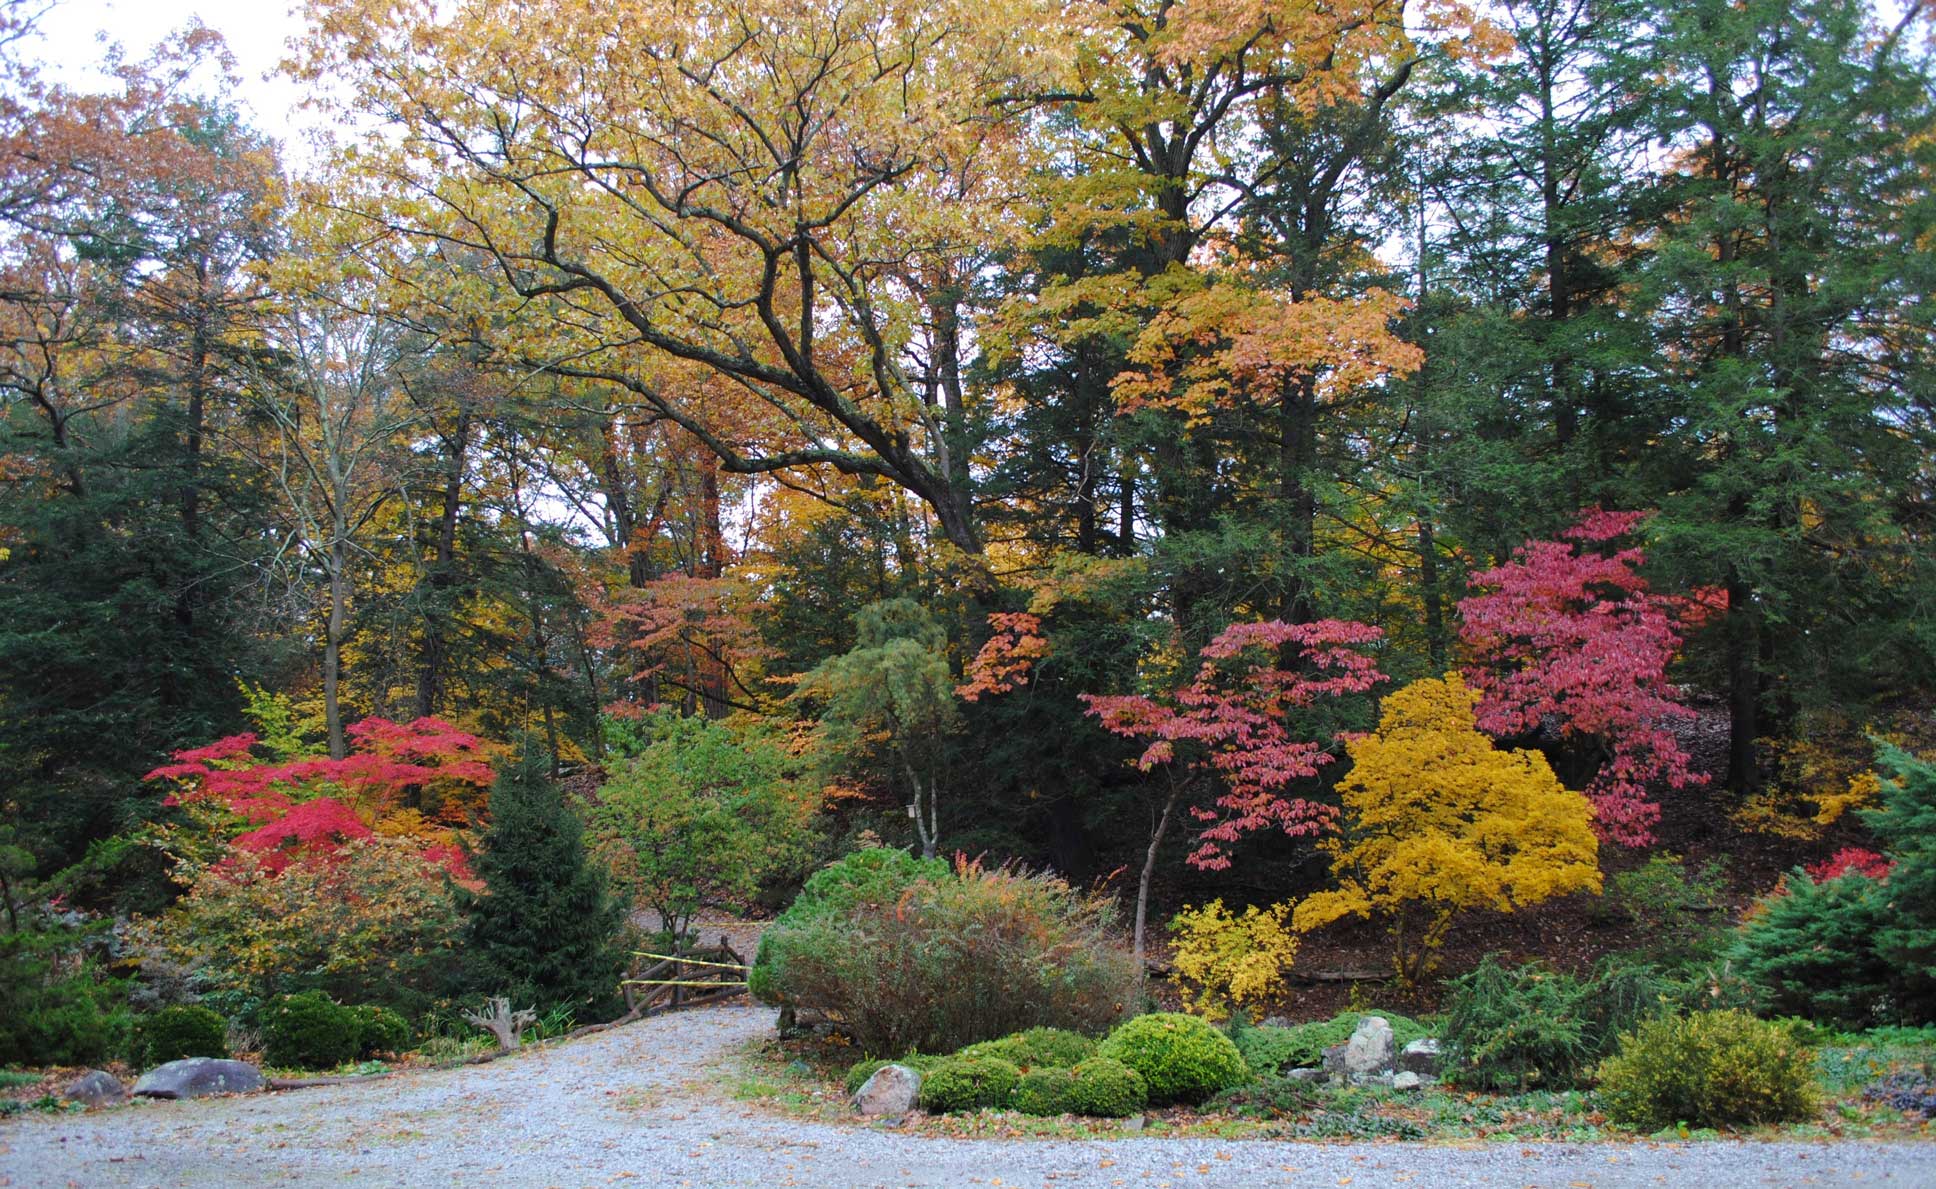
<point>1439,821</point>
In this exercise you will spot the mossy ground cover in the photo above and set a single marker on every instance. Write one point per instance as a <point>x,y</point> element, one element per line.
<point>805,1078</point>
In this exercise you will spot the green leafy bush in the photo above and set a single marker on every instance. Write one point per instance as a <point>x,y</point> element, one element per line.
<point>1106,1088</point>
<point>374,923</point>
<point>176,1032</point>
<point>1268,1049</point>
<point>968,1083</point>
<point>1181,1058</point>
<point>1047,1090</point>
<point>1677,906</point>
<point>56,1006</point>
<point>1057,1048</point>
<point>1513,1028</point>
<point>860,1071</point>
<point>1268,1097</point>
<point>1711,1069</point>
<point>308,1030</point>
<point>702,811</point>
<point>380,1030</point>
<point>912,955</point>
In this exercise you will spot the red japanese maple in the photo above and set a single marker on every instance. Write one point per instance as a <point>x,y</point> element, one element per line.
<point>309,807</point>
<point>1855,859</point>
<point>1238,720</point>
<point>1569,632</point>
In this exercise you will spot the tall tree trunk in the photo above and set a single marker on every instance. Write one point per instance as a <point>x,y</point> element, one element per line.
<point>1158,829</point>
<point>443,576</point>
<point>333,640</point>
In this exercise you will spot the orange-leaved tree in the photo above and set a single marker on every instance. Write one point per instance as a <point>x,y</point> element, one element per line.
<point>1438,821</point>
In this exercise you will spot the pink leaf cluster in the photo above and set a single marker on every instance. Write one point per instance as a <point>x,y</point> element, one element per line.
<point>1236,719</point>
<point>280,799</point>
<point>1571,632</point>
<point>1007,659</point>
<point>1866,863</point>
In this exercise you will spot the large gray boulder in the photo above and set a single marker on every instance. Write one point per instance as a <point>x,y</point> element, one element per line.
<point>94,1088</point>
<point>890,1093</point>
<point>198,1077</point>
<point>1369,1050</point>
<point>1366,1055</point>
<point>1421,1056</point>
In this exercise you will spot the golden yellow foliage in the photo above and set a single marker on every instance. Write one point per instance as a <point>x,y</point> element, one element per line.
<point>1231,958</point>
<point>1438,821</point>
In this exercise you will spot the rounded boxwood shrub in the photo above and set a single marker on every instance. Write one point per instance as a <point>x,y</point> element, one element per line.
<point>1711,1069</point>
<point>1046,1090</point>
<point>380,1030</point>
<point>181,1031</point>
<point>1055,1048</point>
<point>1105,1087</point>
<point>1181,1058</point>
<point>968,1083</point>
<point>308,1030</point>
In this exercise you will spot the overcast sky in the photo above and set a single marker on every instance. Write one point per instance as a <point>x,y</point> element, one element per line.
<point>257,32</point>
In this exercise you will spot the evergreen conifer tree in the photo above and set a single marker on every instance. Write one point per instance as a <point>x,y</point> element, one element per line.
<point>545,930</point>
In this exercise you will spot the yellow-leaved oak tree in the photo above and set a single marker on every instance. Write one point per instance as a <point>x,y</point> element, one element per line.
<point>1438,821</point>
<point>713,205</point>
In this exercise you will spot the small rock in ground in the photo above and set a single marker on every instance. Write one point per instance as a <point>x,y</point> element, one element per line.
<point>198,1077</point>
<point>1307,1074</point>
<point>96,1087</point>
<point>1421,1056</point>
<point>1407,1081</point>
<point>892,1091</point>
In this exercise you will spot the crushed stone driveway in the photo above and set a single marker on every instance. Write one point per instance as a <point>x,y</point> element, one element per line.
<point>633,1107</point>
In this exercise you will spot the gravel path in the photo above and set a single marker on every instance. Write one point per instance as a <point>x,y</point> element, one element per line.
<point>628,1107</point>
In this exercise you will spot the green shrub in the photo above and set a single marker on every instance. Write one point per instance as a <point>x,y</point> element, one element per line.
<point>1677,907</point>
<point>1269,1050</point>
<point>1106,1088</point>
<point>968,1083</point>
<point>308,1030</point>
<point>912,955</point>
<point>176,1032</point>
<point>56,1006</point>
<point>1811,950</point>
<point>1181,1058</point>
<point>860,1071</point>
<point>377,923</point>
<point>1509,1029</point>
<point>1045,1091</point>
<point>1268,1097</point>
<point>1056,1048</point>
<point>1711,1069</point>
<point>379,1030</point>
